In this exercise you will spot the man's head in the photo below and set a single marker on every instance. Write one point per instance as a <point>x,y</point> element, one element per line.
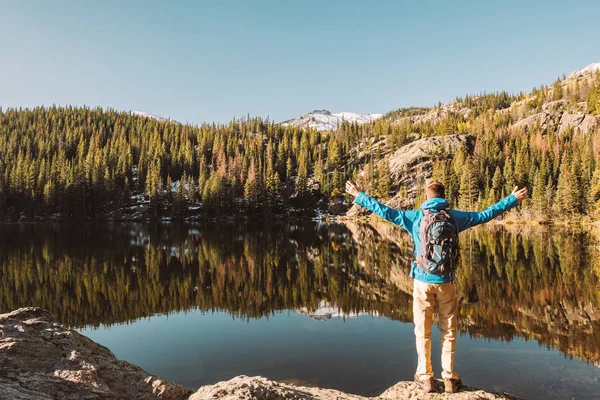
<point>434,189</point>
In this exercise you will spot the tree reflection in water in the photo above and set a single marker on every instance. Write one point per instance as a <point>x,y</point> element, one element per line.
<point>538,284</point>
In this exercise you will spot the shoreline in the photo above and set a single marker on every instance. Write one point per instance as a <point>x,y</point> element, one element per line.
<point>582,221</point>
<point>42,359</point>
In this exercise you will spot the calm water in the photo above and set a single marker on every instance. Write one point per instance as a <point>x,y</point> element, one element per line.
<point>328,305</point>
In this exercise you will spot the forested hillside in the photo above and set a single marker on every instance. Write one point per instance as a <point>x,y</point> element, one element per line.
<point>77,162</point>
<point>84,163</point>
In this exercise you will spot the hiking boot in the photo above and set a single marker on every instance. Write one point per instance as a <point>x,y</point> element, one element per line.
<point>427,384</point>
<point>452,385</point>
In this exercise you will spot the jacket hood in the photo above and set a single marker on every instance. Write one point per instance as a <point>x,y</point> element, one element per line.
<point>437,203</point>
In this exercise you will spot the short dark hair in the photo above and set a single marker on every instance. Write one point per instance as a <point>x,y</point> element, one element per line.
<point>435,189</point>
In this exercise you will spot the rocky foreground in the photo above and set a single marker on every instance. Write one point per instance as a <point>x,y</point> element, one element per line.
<point>42,359</point>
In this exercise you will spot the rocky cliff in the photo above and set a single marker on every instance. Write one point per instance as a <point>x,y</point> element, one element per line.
<point>551,115</point>
<point>413,164</point>
<point>42,359</point>
<point>559,116</point>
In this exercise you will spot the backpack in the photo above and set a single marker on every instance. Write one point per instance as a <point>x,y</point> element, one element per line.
<point>439,243</point>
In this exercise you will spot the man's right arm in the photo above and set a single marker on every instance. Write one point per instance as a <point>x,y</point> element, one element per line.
<point>390,214</point>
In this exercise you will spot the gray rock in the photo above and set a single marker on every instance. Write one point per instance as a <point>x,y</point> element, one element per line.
<point>41,359</point>
<point>258,388</point>
<point>437,114</point>
<point>556,118</point>
<point>580,122</point>
<point>528,122</point>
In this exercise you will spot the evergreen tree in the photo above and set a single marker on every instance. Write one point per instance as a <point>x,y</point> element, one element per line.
<point>468,191</point>
<point>419,193</point>
<point>538,195</point>
<point>251,188</point>
<point>496,188</point>
<point>384,179</point>
<point>567,197</point>
<point>593,200</point>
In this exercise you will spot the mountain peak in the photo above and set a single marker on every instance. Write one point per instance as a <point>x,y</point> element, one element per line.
<point>593,67</point>
<point>324,112</point>
<point>323,120</point>
<point>148,115</point>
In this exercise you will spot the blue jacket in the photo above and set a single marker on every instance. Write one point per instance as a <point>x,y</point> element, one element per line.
<point>410,220</point>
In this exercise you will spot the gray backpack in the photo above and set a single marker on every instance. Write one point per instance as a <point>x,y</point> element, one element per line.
<point>439,243</point>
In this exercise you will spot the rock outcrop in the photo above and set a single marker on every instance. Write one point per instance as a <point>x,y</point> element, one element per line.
<point>437,114</point>
<point>244,387</point>
<point>557,117</point>
<point>551,115</point>
<point>42,359</point>
<point>414,162</point>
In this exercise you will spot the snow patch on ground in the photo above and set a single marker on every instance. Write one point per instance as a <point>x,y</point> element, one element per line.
<point>175,186</point>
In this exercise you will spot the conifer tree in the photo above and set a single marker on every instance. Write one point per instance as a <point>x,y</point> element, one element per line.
<point>593,200</point>
<point>557,90</point>
<point>538,195</point>
<point>419,193</point>
<point>384,179</point>
<point>468,192</point>
<point>496,187</point>
<point>251,189</point>
<point>567,199</point>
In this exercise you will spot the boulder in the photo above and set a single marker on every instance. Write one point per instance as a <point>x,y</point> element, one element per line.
<point>258,388</point>
<point>42,359</point>
<point>528,122</point>
<point>580,122</point>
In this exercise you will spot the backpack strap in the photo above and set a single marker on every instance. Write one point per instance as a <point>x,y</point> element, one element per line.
<point>421,259</point>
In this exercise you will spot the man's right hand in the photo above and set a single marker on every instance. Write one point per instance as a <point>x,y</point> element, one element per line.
<point>520,194</point>
<point>352,189</point>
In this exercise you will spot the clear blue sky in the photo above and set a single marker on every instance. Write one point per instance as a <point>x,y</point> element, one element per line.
<point>198,61</point>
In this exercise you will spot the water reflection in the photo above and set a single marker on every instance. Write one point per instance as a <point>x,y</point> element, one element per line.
<point>537,283</point>
<point>540,284</point>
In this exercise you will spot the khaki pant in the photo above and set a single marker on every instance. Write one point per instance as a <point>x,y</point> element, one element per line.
<point>426,297</point>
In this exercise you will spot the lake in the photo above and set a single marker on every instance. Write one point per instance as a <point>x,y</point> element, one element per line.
<point>313,303</point>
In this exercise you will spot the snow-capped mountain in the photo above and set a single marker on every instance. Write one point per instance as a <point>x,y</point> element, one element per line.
<point>326,311</point>
<point>148,115</point>
<point>589,69</point>
<point>323,120</point>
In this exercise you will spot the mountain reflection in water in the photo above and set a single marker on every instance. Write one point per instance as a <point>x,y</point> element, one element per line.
<point>537,284</point>
<point>326,311</point>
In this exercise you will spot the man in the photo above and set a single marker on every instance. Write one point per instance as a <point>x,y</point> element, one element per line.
<point>431,287</point>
